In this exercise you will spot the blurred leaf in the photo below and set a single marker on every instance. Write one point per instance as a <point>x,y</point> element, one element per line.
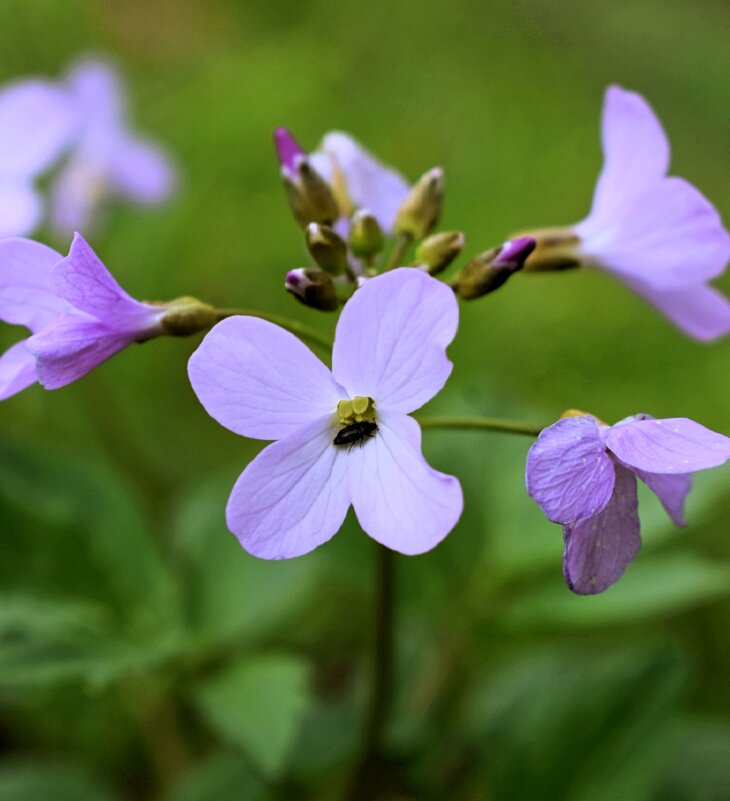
<point>233,594</point>
<point>224,777</point>
<point>39,781</point>
<point>654,586</point>
<point>260,704</point>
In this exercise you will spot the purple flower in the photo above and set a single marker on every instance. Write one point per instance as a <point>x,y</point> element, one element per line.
<point>582,473</point>
<point>343,436</point>
<point>36,124</point>
<point>108,160</point>
<point>77,314</point>
<point>657,234</point>
<point>358,180</point>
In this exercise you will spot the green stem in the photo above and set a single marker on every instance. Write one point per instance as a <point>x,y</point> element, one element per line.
<point>301,330</point>
<point>481,424</point>
<point>399,251</point>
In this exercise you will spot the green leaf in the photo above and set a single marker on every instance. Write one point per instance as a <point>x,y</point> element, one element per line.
<point>259,704</point>
<point>700,769</point>
<point>39,781</point>
<point>655,585</point>
<point>224,777</point>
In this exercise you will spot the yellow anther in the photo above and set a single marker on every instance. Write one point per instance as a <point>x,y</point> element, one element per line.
<point>344,412</point>
<point>357,410</point>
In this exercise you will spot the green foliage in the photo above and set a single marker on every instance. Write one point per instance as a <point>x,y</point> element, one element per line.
<point>41,781</point>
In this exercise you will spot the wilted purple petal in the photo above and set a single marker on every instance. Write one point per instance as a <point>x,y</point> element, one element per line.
<point>599,549</point>
<point>391,339</point>
<point>21,207</point>
<point>293,496</point>
<point>672,491</point>
<point>85,282</point>
<point>399,499</point>
<point>368,183</point>
<point>141,171</point>
<point>259,380</point>
<point>699,311</point>
<point>36,123</point>
<point>674,445</point>
<point>26,295</point>
<point>287,148</point>
<point>569,474</point>
<point>17,370</point>
<point>72,346</point>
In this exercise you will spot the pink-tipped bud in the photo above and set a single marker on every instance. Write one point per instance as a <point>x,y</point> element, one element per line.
<point>490,270</point>
<point>312,287</point>
<point>287,148</point>
<point>514,253</point>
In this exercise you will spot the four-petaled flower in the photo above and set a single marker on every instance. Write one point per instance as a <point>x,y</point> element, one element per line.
<point>582,473</point>
<point>77,313</point>
<point>107,160</point>
<point>344,437</point>
<point>657,234</point>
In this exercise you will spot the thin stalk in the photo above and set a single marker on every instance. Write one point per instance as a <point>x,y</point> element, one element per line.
<point>301,330</point>
<point>482,424</point>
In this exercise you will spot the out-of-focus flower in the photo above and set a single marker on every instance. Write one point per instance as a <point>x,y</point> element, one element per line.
<point>582,473</point>
<point>356,178</point>
<point>108,160</point>
<point>36,124</point>
<point>657,234</point>
<point>77,314</point>
<point>343,437</point>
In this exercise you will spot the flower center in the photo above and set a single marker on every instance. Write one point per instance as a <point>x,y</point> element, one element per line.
<point>357,418</point>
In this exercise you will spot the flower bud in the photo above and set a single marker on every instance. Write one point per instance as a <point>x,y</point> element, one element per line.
<point>421,208</point>
<point>186,315</point>
<point>439,250</point>
<point>327,248</point>
<point>310,196</point>
<point>556,249</point>
<point>287,149</point>
<point>366,236</point>
<point>312,287</point>
<point>491,269</point>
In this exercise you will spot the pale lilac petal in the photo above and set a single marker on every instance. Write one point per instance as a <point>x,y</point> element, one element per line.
<point>669,237</point>
<point>259,380</point>
<point>599,549</point>
<point>699,311</point>
<point>72,346</point>
<point>141,171</point>
<point>85,282</point>
<point>293,496</point>
<point>672,491</point>
<point>369,184</point>
<point>26,295</point>
<point>400,500</point>
<point>17,370</point>
<point>674,445</point>
<point>98,94</point>
<point>77,191</point>
<point>635,151</point>
<point>391,339</point>
<point>569,474</point>
<point>21,207</point>
<point>36,122</point>
<point>288,150</point>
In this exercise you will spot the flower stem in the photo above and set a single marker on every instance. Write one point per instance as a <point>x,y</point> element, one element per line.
<point>482,424</point>
<point>402,243</point>
<point>301,330</point>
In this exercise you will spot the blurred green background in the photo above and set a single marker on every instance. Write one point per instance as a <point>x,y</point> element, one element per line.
<point>143,654</point>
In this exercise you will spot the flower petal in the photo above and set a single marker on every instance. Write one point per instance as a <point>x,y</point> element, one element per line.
<point>85,282</point>
<point>98,95</point>
<point>672,491</point>
<point>400,500</point>
<point>259,380</point>
<point>36,122</point>
<point>26,296</point>
<point>141,171</point>
<point>21,207</point>
<point>599,549</point>
<point>569,474</point>
<point>635,152</point>
<point>368,183</point>
<point>674,445</point>
<point>293,496</point>
<point>669,237</point>
<point>72,346</point>
<point>17,370</point>
<point>391,339</point>
<point>699,311</point>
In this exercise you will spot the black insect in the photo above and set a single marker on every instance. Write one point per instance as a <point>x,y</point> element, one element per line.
<point>354,433</point>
